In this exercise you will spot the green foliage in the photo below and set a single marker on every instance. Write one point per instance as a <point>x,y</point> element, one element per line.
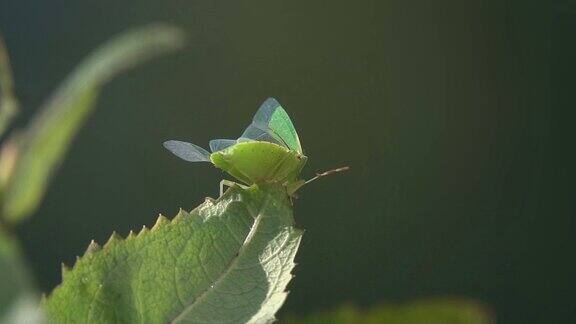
<point>433,311</point>
<point>228,260</point>
<point>34,154</point>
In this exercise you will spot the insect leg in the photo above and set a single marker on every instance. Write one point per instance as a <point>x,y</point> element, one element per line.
<point>229,184</point>
<point>226,183</point>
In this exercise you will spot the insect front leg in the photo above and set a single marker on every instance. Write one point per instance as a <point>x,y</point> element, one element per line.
<point>229,184</point>
<point>226,183</point>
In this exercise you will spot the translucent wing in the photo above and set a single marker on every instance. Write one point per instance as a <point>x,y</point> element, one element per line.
<point>187,151</point>
<point>265,112</point>
<point>220,144</point>
<point>271,123</point>
<point>255,132</point>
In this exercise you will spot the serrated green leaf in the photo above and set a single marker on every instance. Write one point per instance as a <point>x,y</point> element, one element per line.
<point>42,146</point>
<point>432,311</point>
<point>227,261</point>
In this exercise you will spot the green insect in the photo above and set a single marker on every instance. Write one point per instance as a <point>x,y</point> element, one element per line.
<point>269,151</point>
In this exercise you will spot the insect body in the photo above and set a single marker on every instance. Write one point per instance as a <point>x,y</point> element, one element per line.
<point>268,151</point>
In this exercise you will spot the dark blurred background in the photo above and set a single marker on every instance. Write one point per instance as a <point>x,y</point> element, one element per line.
<point>456,117</point>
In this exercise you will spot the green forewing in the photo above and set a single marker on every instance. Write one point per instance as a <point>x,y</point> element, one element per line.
<point>281,124</point>
<point>271,123</point>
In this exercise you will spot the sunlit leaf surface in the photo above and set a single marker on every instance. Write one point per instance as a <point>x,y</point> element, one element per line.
<point>227,261</point>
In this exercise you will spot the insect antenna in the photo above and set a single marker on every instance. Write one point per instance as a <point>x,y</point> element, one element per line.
<point>327,173</point>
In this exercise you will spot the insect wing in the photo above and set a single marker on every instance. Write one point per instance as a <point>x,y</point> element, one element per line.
<point>220,144</point>
<point>256,132</point>
<point>187,151</point>
<point>272,124</point>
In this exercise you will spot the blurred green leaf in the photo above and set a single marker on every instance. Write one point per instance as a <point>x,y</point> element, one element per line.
<point>25,310</point>
<point>8,102</point>
<point>433,311</point>
<point>229,260</point>
<point>16,288</point>
<point>43,144</point>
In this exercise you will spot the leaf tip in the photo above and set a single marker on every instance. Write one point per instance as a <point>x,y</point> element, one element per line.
<point>179,216</point>
<point>114,238</point>
<point>65,269</point>
<point>143,231</point>
<point>92,247</point>
<point>131,235</point>
<point>160,221</point>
